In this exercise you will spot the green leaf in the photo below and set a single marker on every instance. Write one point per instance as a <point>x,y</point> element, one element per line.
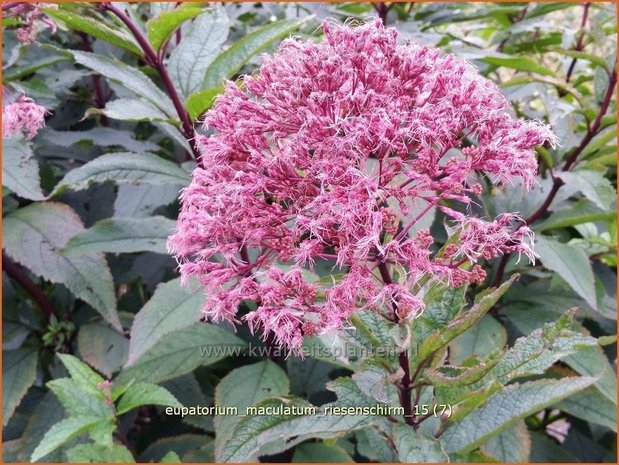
<point>481,340</point>
<point>63,432</point>
<point>77,401</point>
<point>99,136</point>
<point>600,84</point>
<point>123,235</point>
<point>592,184</point>
<point>376,379</point>
<point>199,102</point>
<point>374,445</point>
<point>590,405</point>
<point>141,200</point>
<point>20,170</point>
<point>443,303</point>
<point>244,387</point>
<point>127,76</point>
<point>505,408</point>
<point>102,347</point>
<point>519,63</point>
<point>19,370</point>
<point>97,453</point>
<point>33,236</point>
<point>131,109</point>
<point>583,211</point>
<point>483,303</point>
<point>200,45</point>
<point>535,353</point>
<point>81,373</point>
<point>123,168</point>
<point>569,262</point>
<point>415,447</point>
<point>171,308</point>
<point>596,60</point>
<point>140,394</point>
<point>512,445</point>
<point>182,351</point>
<point>319,452</point>
<point>284,427</point>
<point>160,28</point>
<point>592,361</point>
<point>232,60</point>
<point>94,27</point>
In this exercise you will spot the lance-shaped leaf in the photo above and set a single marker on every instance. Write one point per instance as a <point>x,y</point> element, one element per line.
<point>19,370</point>
<point>483,303</point>
<point>123,235</point>
<point>20,170</point>
<point>415,447</point>
<point>123,168</point>
<point>62,432</point>
<point>33,236</point>
<point>507,407</point>
<point>233,59</point>
<point>139,394</point>
<point>160,28</point>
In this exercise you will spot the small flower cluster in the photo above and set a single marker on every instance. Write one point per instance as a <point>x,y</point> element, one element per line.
<point>30,13</point>
<point>320,155</point>
<point>22,116</point>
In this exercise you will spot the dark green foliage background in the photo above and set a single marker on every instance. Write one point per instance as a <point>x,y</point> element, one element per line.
<point>88,204</point>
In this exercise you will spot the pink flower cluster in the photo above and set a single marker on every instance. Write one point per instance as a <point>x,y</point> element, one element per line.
<point>23,115</point>
<point>319,155</point>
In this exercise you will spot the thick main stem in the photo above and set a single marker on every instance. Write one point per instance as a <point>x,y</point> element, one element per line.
<point>156,61</point>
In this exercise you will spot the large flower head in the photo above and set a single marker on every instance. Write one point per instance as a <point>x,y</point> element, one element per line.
<point>335,151</point>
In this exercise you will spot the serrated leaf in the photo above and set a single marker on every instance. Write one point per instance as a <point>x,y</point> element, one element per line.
<point>161,27</point>
<point>232,60</point>
<point>506,407</point>
<point>61,433</point>
<point>182,351</point>
<point>569,262</point>
<point>535,353</point>
<point>94,27</point>
<point>483,303</point>
<point>131,109</point>
<point>512,445</point>
<point>123,168</point>
<point>83,375</point>
<point>97,453</point>
<point>521,63</point>
<point>33,236</point>
<point>283,429</point>
<point>123,235</point>
<point>102,347</point>
<point>140,394</point>
<point>583,211</point>
<point>592,361</point>
<point>77,401</point>
<point>376,379</point>
<point>127,76</point>
<point>199,46</point>
<point>414,447</point>
<point>99,136</point>
<point>244,387</point>
<point>171,308</point>
<point>19,370</point>
<point>590,405</point>
<point>20,170</point>
<point>592,184</point>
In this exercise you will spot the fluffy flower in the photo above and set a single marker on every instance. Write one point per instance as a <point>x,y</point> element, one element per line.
<point>308,159</point>
<point>24,116</point>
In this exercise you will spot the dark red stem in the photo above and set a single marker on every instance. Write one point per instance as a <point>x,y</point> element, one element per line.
<point>580,43</point>
<point>154,60</point>
<point>15,272</point>
<point>592,131</point>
